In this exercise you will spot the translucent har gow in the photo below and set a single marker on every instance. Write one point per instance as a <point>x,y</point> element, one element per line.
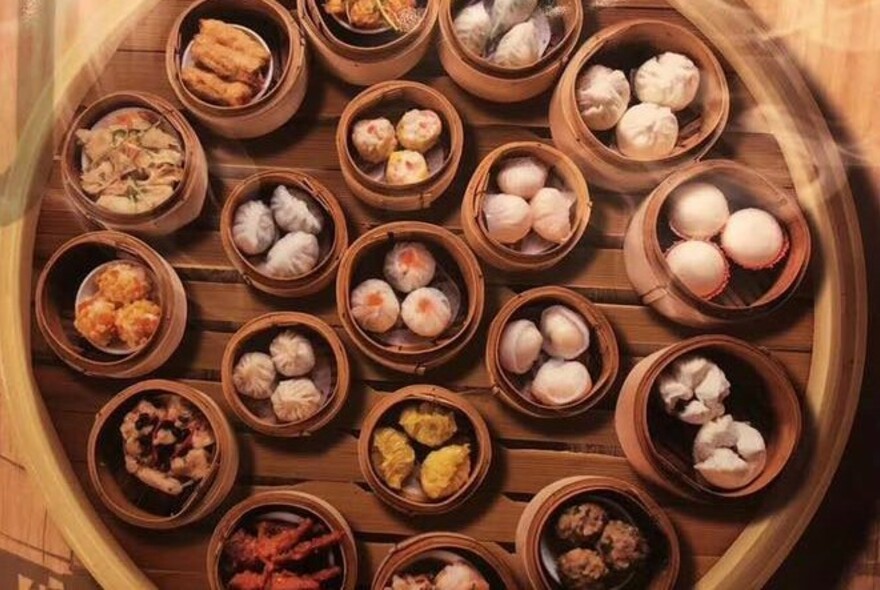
<point>472,25</point>
<point>254,375</point>
<point>374,306</point>
<point>296,210</point>
<point>520,346</point>
<point>508,217</point>
<point>551,214</point>
<point>522,176</point>
<point>603,95</point>
<point>409,266</point>
<point>292,354</point>
<point>519,47</point>
<point>426,312</point>
<point>508,13</point>
<point>253,229</point>
<point>647,131</point>
<point>293,255</point>
<point>566,334</point>
<point>296,400</point>
<point>559,382</point>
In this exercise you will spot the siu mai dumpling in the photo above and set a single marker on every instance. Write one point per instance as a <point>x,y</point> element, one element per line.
<point>406,167</point>
<point>374,306</point>
<point>374,139</point>
<point>419,130</point>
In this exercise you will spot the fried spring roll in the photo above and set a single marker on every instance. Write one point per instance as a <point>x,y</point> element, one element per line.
<point>227,63</point>
<point>234,38</point>
<point>214,89</point>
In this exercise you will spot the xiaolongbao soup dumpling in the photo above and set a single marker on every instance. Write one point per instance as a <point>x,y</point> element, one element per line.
<point>671,80</point>
<point>296,400</point>
<point>296,210</point>
<point>551,214</point>
<point>374,306</point>
<point>293,255</point>
<point>508,13</point>
<point>292,354</point>
<point>472,25</point>
<point>406,167</point>
<point>419,130</point>
<point>426,312</point>
<point>603,95</point>
<point>566,334</point>
<point>647,131</point>
<point>409,266</point>
<point>522,176</point>
<point>519,47</point>
<point>253,229</point>
<point>520,346</point>
<point>374,139</point>
<point>254,375</point>
<point>508,217</point>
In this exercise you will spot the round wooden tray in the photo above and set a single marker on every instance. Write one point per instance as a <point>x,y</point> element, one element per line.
<point>775,128</point>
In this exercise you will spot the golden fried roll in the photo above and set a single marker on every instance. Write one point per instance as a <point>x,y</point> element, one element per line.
<point>234,38</point>
<point>215,89</point>
<point>364,14</point>
<point>226,62</point>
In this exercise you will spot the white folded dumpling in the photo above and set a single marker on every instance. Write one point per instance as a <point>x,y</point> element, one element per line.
<point>522,176</point>
<point>508,13</point>
<point>292,354</point>
<point>603,95</point>
<point>293,255</point>
<point>254,375</point>
<point>559,382</point>
<point>647,131</point>
<point>253,229</point>
<point>296,400</point>
<point>551,214</point>
<point>508,217</point>
<point>409,265</point>
<point>427,312</point>
<point>296,210</point>
<point>669,79</point>
<point>374,306</point>
<point>518,47</point>
<point>520,346</point>
<point>472,25</point>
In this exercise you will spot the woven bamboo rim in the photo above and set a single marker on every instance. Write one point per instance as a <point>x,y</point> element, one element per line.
<point>487,80</point>
<point>364,66</point>
<point>503,256</point>
<point>603,343</point>
<point>406,197</point>
<point>608,167</point>
<point>209,493</point>
<point>632,418</point>
<point>410,551</point>
<point>550,499</point>
<point>284,96</point>
<point>314,326</point>
<point>399,357</point>
<point>258,187</point>
<point>290,498</point>
<point>185,203</point>
<point>650,275</point>
<point>168,290</point>
<point>481,456</point>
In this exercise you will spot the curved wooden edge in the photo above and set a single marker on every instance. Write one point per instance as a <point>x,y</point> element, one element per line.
<point>58,92</point>
<point>841,307</point>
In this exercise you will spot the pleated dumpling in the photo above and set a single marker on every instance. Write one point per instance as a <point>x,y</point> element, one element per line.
<point>296,400</point>
<point>292,354</point>
<point>419,129</point>
<point>293,255</point>
<point>253,229</point>
<point>254,375</point>
<point>518,47</point>
<point>296,210</point>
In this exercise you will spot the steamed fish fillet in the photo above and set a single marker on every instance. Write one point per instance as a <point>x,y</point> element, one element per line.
<point>213,88</point>
<point>228,63</point>
<point>234,38</point>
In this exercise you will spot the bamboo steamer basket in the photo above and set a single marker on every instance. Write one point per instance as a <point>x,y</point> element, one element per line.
<point>361,65</point>
<point>486,558</point>
<point>105,458</point>
<point>480,441</point>
<point>282,499</point>
<point>506,257</point>
<point>370,247</point>
<point>256,336</point>
<point>635,503</point>
<point>277,27</point>
<point>333,239</point>
<point>749,294</point>
<point>701,124</point>
<point>182,207</point>
<point>54,304</point>
<point>392,99</point>
<point>489,81</point>
<point>602,358</point>
<point>658,445</point>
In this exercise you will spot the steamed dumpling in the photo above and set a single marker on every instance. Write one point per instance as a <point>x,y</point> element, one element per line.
<point>374,306</point>
<point>472,25</point>
<point>460,576</point>
<point>406,167</point>
<point>374,139</point>
<point>419,130</point>
<point>296,210</point>
<point>508,217</point>
<point>253,229</point>
<point>520,346</point>
<point>292,354</point>
<point>602,96</point>
<point>566,334</point>
<point>254,375</point>
<point>729,454</point>
<point>559,382</point>
<point>518,47</point>
<point>508,13</point>
<point>670,79</point>
<point>551,217</point>
<point>296,400</point>
<point>426,312</point>
<point>647,131</point>
<point>522,176</point>
<point>409,266</point>
<point>293,255</point>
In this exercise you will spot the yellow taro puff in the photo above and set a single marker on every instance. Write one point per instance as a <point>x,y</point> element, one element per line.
<point>428,424</point>
<point>445,471</point>
<point>393,456</point>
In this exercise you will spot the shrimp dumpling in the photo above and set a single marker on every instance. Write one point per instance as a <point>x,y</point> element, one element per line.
<point>409,266</point>
<point>508,217</point>
<point>419,130</point>
<point>426,312</point>
<point>293,255</point>
<point>374,139</point>
<point>472,25</point>
<point>522,176</point>
<point>253,229</point>
<point>551,215</point>
<point>296,210</point>
<point>508,13</point>
<point>296,400</point>
<point>518,47</point>
<point>292,354</point>
<point>254,375</point>
<point>603,95</point>
<point>647,131</point>
<point>374,306</point>
<point>406,167</point>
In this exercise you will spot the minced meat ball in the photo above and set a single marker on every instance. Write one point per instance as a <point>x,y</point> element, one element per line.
<point>582,569</point>
<point>581,524</point>
<point>622,546</point>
